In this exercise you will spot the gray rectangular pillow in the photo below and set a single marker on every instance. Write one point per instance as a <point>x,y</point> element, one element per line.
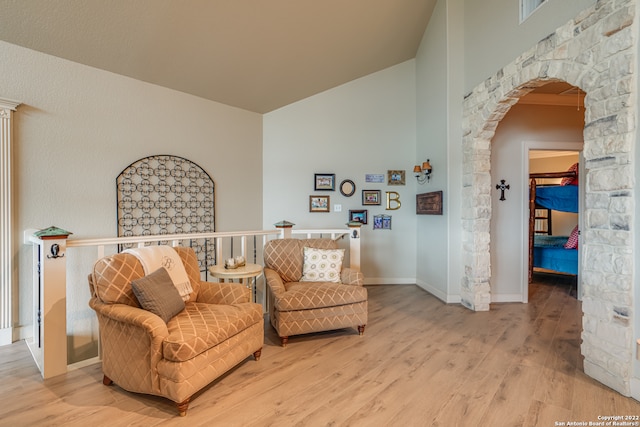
<point>156,293</point>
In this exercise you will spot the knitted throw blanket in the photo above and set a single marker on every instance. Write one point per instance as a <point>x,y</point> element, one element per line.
<point>154,257</point>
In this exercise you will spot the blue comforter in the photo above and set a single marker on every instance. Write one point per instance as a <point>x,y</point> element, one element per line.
<point>549,253</point>
<point>558,197</point>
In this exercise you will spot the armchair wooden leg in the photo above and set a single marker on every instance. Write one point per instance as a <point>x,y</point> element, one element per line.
<point>183,406</point>
<point>361,329</point>
<point>257,354</point>
<point>284,341</point>
<point>106,380</point>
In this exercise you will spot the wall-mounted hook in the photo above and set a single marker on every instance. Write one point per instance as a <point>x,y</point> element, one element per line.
<point>55,252</point>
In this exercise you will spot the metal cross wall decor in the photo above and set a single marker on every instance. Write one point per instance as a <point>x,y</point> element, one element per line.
<point>502,186</point>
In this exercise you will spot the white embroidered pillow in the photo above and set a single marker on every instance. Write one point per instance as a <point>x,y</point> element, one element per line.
<point>322,265</point>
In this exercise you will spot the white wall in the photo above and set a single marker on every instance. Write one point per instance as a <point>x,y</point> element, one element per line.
<point>439,91</point>
<point>366,126</point>
<point>431,93</point>
<point>494,36</point>
<point>465,42</point>
<point>509,218</point>
<point>79,127</point>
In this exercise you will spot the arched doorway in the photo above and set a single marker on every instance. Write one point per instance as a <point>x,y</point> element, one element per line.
<point>598,55</point>
<point>550,118</point>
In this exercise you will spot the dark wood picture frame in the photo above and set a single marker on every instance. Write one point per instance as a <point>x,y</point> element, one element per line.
<point>358,216</point>
<point>324,182</point>
<point>429,203</point>
<point>371,197</point>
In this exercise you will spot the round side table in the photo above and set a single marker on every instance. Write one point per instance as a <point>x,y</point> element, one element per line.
<point>247,274</point>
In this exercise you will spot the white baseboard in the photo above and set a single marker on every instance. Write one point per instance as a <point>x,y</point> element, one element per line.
<point>390,281</point>
<point>438,293</point>
<point>83,363</point>
<point>6,336</point>
<point>11,335</point>
<point>506,298</point>
<point>22,333</point>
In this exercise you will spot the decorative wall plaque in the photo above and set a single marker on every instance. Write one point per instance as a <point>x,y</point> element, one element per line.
<point>167,195</point>
<point>429,203</point>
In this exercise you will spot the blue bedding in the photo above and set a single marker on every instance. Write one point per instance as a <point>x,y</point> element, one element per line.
<point>545,241</point>
<point>549,253</point>
<point>558,197</point>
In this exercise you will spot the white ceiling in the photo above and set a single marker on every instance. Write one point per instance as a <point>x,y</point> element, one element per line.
<point>258,55</point>
<point>543,154</point>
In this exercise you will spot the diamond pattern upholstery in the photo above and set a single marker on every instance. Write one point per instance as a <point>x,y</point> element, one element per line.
<point>202,326</point>
<point>285,256</point>
<point>306,296</point>
<point>218,329</point>
<point>304,307</point>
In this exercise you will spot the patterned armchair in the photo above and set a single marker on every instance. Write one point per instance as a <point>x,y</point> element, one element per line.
<point>300,307</point>
<point>218,328</point>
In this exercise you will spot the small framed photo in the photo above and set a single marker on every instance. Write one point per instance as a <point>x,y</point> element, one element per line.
<point>319,204</point>
<point>371,197</point>
<point>324,181</point>
<point>358,216</point>
<point>395,177</point>
<point>382,222</point>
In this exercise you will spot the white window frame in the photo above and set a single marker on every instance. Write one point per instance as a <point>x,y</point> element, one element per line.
<point>527,7</point>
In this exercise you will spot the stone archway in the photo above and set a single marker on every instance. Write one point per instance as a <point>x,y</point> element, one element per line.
<point>596,52</point>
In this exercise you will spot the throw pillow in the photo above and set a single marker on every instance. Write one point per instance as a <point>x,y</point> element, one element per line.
<point>322,265</point>
<point>572,242</point>
<point>156,293</point>
<point>571,180</point>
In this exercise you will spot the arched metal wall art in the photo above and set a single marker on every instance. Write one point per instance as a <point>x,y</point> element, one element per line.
<point>165,194</point>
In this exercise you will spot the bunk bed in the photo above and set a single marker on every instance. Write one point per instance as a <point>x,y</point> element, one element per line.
<point>545,250</point>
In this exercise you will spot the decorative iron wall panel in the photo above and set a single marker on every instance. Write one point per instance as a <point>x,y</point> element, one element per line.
<point>165,194</point>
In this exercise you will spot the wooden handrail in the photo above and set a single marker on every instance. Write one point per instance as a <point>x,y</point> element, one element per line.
<point>75,243</point>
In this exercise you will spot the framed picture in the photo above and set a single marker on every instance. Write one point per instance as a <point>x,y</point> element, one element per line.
<point>382,222</point>
<point>371,197</point>
<point>347,188</point>
<point>358,216</point>
<point>429,203</point>
<point>374,177</point>
<point>395,177</point>
<point>324,181</point>
<point>319,204</point>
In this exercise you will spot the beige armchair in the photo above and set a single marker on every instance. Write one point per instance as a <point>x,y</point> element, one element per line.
<point>300,307</point>
<point>218,328</point>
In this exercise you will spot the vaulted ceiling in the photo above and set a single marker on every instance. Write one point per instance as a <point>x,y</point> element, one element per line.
<point>258,55</point>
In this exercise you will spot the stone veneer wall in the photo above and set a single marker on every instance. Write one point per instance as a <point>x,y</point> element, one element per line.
<point>596,51</point>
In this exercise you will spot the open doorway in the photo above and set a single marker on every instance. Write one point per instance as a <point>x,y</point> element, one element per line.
<point>610,300</point>
<point>549,120</point>
<point>555,214</point>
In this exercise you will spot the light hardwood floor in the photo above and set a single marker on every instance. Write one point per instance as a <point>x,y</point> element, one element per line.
<point>420,363</point>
